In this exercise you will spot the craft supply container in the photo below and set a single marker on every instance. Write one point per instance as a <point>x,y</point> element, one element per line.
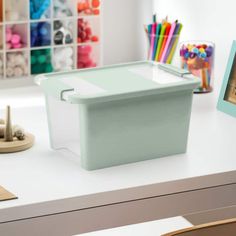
<point>41,29</point>
<point>119,114</point>
<point>198,57</point>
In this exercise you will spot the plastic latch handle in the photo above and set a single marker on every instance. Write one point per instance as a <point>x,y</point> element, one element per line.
<point>173,70</point>
<point>66,93</point>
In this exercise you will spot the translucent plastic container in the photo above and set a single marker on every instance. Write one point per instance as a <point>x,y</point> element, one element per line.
<point>162,48</point>
<point>119,114</point>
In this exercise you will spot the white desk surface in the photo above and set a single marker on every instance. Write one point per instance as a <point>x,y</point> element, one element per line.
<point>43,179</point>
<point>153,228</point>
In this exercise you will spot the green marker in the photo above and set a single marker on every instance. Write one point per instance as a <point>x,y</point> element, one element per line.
<point>160,41</point>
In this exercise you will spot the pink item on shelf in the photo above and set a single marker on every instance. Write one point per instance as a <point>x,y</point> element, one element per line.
<point>84,50</point>
<point>15,39</point>
<point>84,58</point>
<point>19,45</point>
<point>80,65</point>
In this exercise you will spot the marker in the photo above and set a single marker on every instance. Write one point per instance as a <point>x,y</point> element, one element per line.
<point>158,29</point>
<point>161,37</point>
<point>168,26</point>
<point>172,30</point>
<point>172,51</point>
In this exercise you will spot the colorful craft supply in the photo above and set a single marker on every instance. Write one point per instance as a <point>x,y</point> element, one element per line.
<point>167,31</point>
<point>163,39</point>
<point>88,7</point>
<point>158,29</point>
<point>15,37</point>
<point>198,58</point>
<point>173,44</point>
<point>170,36</point>
<point>160,41</point>
<point>16,64</point>
<point>63,59</point>
<point>41,61</point>
<point>40,34</point>
<point>173,49</point>
<point>85,32</point>
<point>62,8</point>
<point>153,38</point>
<point>63,32</point>
<point>39,9</point>
<point>85,57</point>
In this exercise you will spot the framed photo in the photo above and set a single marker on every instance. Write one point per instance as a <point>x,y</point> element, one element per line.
<point>227,99</point>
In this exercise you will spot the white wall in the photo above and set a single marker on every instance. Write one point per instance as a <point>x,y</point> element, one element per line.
<point>123,32</point>
<point>212,20</point>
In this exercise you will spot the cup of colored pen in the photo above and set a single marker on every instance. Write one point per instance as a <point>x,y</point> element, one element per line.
<point>163,40</point>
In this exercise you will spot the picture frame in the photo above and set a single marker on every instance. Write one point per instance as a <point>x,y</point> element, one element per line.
<point>227,98</point>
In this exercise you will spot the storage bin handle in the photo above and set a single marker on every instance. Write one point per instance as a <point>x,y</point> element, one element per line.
<point>63,94</point>
<point>173,70</point>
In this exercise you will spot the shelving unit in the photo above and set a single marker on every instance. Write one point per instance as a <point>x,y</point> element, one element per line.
<point>50,40</point>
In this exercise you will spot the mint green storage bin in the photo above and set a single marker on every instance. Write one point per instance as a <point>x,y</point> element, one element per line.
<point>119,114</point>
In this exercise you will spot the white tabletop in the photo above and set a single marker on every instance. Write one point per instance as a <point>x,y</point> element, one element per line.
<point>153,228</point>
<point>42,176</point>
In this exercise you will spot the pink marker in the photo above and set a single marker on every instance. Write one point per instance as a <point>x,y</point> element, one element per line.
<point>172,30</point>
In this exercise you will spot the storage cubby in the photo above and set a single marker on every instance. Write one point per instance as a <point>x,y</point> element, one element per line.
<point>16,36</point>
<point>88,30</point>
<point>17,64</point>
<point>87,56</point>
<point>63,59</point>
<point>48,35</point>
<point>16,10</point>
<point>63,32</point>
<point>88,7</point>
<point>40,9</point>
<point>41,61</point>
<point>63,8</point>
<point>40,34</point>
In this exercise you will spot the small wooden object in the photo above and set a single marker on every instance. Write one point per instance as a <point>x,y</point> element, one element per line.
<point>8,127</point>
<point>220,228</point>
<point>17,145</point>
<point>5,195</point>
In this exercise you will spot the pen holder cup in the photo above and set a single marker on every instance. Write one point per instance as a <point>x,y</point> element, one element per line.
<point>161,48</point>
<point>198,58</point>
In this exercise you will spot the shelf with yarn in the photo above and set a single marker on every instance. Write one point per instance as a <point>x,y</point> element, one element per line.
<point>45,36</point>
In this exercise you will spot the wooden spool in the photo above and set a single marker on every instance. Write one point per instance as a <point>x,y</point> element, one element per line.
<point>17,145</point>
